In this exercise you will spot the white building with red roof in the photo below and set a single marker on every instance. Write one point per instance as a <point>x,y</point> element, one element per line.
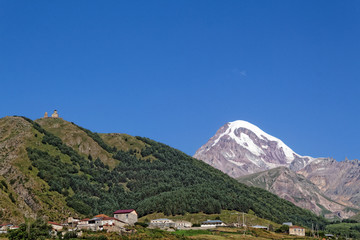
<point>297,230</point>
<point>129,216</point>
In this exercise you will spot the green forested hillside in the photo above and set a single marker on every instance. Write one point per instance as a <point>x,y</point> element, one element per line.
<point>148,176</point>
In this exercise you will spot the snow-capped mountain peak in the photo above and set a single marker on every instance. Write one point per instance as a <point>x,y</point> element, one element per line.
<point>242,148</point>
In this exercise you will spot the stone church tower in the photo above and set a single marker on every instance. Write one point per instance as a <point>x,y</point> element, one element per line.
<point>55,114</point>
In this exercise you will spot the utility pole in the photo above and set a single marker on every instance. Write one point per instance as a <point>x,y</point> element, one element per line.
<point>312,229</point>
<point>244,223</point>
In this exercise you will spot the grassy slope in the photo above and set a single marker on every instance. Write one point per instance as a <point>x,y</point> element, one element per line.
<point>76,138</point>
<point>31,195</point>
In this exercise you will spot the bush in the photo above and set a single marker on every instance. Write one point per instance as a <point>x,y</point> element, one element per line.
<point>145,225</point>
<point>70,235</point>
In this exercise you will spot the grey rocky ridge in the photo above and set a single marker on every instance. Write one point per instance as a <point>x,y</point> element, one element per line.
<point>322,185</point>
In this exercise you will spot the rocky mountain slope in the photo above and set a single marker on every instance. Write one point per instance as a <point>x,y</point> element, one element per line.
<point>55,169</point>
<point>322,185</point>
<point>299,190</point>
<point>338,180</point>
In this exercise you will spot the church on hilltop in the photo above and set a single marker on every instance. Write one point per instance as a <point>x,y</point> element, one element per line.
<point>54,115</point>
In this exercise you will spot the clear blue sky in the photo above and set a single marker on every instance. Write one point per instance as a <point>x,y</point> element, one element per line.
<point>176,71</point>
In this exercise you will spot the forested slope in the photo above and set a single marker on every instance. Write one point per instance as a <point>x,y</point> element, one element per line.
<point>145,175</point>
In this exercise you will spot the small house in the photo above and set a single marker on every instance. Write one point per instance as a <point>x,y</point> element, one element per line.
<point>297,230</point>
<point>212,224</point>
<point>129,216</point>
<point>260,227</point>
<point>4,227</point>
<point>329,236</point>
<point>183,224</point>
<point>109,224</point>
<point>162,223</point>
<point>83,224</point>
<point>55,226</point>
<point>72,221</point>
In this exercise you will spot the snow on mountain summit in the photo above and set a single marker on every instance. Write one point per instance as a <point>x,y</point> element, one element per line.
<point>240,148</point>
<point>289,153</point>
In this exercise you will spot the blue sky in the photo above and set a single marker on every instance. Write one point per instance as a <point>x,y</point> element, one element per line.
<point>176,71</point>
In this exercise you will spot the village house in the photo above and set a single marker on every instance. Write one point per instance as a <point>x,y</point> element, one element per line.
<point>12,227</point>
<point>111,224</point>
<point>128,216</point>
<point>182,224</point>
<point>56,226</point>
<point>161,223</point>
<point>296,230</point>
<point>212,224</point>
<point>260,227</point>
<point>83,224</point>
<point>101,222</point>
<point>72,222</point>
<point>5,227</point>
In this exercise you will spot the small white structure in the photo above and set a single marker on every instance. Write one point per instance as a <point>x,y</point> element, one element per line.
<point>162,223</point>
<point>5,227</point>
<point>183,224</point>
<point>212,224</point>
<point>260,227</point>
<point>12,227</point>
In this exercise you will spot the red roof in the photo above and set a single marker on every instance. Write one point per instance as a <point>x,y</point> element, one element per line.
<point>296,227</point>
<point>54,223</point>
<point>124,211</point>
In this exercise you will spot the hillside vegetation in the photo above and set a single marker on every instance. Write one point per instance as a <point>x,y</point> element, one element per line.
<point>139,173</point>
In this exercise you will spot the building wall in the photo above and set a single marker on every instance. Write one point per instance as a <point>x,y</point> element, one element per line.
<point>162,223</point>
<point>57,227</point>
<point>297,231</point>
<point>129,218</point>
<point>183,224</point>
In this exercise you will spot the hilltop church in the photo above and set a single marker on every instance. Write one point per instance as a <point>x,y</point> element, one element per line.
<point>54,115</point>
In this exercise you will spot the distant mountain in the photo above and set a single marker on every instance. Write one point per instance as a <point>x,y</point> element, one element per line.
<point>56,169</point>
<point>240,148</point>
<point>325,186</point>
